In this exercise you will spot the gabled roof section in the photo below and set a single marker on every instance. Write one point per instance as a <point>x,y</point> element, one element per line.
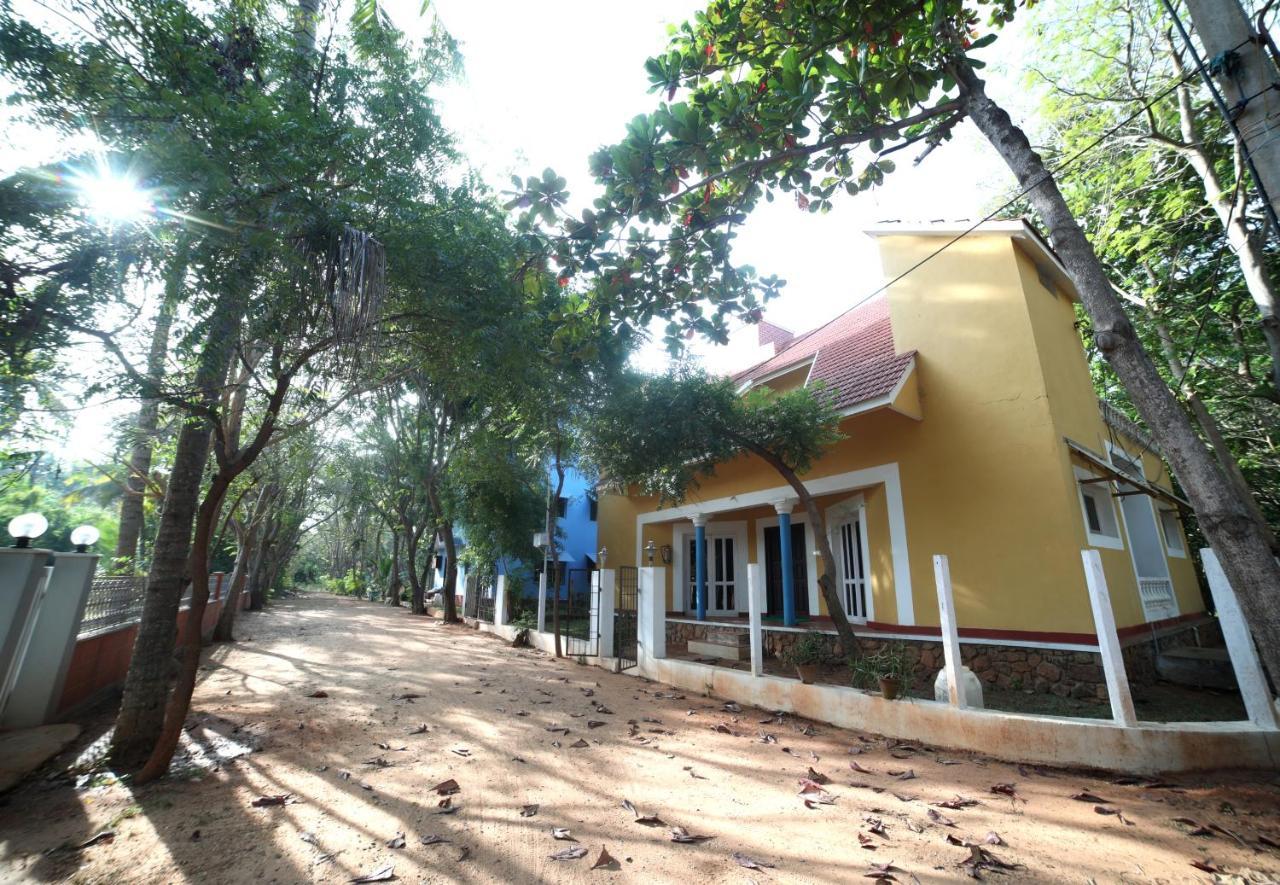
<point>853,356</point>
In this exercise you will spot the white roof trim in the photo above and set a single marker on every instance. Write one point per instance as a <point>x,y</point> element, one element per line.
<point>882,401</point>
<point>778,373</point>
<point>1016,228</point>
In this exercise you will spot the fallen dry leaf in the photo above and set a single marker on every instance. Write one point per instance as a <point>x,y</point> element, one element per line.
<point>818,777</point>
<point>648,820</point>
<point>957,803</point>
<point>432,839</point>
<point>573,853</point>
<point>105,836</point>
<point>750,863</point>
<point>382,874</point>
<point>447,788</point>
<point>1007,790</point>
<point>578,744</point>
<point>1206,866</point>
<point>680,834</point>
<point>561,833</point>
<point>318,694</point>
<point>993,838</point>
<point>858,768</point>
<point>528,810</point>
<point>604,860</point>
<point>419,729</point>
<point>1086,796</point>
<point>939,818</point>
<point>1103,809</point>
<point>281,799</point>
<point>396,841</point>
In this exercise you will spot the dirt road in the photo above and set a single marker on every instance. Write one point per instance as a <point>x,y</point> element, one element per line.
<point>332,694</point>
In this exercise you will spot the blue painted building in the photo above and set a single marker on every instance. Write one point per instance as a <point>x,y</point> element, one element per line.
<point>576,538</point>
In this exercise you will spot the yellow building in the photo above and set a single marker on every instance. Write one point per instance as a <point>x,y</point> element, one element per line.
<point>972,430</point>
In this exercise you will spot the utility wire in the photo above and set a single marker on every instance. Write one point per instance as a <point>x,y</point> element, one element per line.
<point>1049,175</point>
<point>1226,113</point>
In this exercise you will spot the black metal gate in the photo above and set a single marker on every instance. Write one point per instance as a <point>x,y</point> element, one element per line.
<point>578,613</point>
<point>486,591</point>
<point>625,634</point>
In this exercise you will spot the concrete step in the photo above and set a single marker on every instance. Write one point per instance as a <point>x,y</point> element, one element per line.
<point>727,644</point>
<point>1197,667</point>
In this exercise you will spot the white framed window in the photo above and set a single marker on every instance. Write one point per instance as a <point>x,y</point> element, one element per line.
<point>847,533</point>
<point>1171,528</point>
<point>1099,510</point>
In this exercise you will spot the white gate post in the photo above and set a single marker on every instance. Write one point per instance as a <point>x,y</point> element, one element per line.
<point>42,672</point>
<point>22,571</point>
<point>466,592</point>
<point>500,601</point>
<point>651,613</point>
<point>542,602</point>
<point>608,603</point>
<point>1244,655</point>
<point>950,633</point>
<point>1104,624</point>
<point>755,606</point>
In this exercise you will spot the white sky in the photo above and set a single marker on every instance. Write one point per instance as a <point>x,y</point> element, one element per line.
<point>548,83</point>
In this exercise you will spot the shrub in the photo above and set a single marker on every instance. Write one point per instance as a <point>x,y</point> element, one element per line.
<point>888,663</point>
<point>811,648</point>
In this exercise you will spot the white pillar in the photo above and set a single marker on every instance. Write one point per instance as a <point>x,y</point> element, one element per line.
<point>950,631</point>
<point>607,601</point>
<point>500,601</point>
<point>1104,623</point>
<point>43,670</point>
<point>542,602</point>
<point>21,572</point>
<point>1244,655</point>
<point>651,614</point>
<point>755,607</point>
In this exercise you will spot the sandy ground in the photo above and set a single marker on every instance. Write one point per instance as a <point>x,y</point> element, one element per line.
<point>357,778</point>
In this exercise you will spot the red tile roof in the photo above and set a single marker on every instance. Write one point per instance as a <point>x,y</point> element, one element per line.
<point>853,355</point>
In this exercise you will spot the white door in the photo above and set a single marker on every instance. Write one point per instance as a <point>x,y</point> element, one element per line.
<point>722,575</point>
<point>851,567</point>
<point>1146,544</point>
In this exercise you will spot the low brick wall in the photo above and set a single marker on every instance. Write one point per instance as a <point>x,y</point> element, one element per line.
<point>101,661</point>
<point>1063,672</point>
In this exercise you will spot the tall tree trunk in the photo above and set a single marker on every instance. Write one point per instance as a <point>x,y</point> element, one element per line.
<point>1226,522</point>
<point>450,590</point>
<point>417,592</point>
<point>1246,83</point>
<point>133,505</point>
<point>224,631</point>
<point>1230,210</point>
<point>1209,425</point>
<point>394,585</point>
<point>151,670</point>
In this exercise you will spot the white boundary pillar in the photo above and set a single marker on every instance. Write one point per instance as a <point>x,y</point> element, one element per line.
<point>950,632</point>
<point>21,573</point>
<point>500,601</point>
<point>466,592</point>
<point>607,601</point>
<point>43,670</point>
<point>755,607</point>
<point>651,613</point>
<point>1244,655</point>
<point>1104,624</point>
<point>542,602</point>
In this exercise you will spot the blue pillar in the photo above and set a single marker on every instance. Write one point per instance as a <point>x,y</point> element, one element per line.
<point>700,568</point>
<point>788,571</point>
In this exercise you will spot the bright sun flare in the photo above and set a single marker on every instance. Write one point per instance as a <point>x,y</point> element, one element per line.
<point>113,197</point>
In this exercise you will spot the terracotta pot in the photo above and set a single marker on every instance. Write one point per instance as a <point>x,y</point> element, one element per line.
<point>890,689</point>
<point>808,673</point>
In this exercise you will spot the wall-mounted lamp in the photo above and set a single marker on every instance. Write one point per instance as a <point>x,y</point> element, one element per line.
<point>666,554</point>
<point>27,527</point>
<point>649,550</point>
<point>602,556</point>
<point>84,537</point>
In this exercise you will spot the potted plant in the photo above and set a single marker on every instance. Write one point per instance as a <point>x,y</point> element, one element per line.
<point>887,668</point>
<point>806,654</point>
